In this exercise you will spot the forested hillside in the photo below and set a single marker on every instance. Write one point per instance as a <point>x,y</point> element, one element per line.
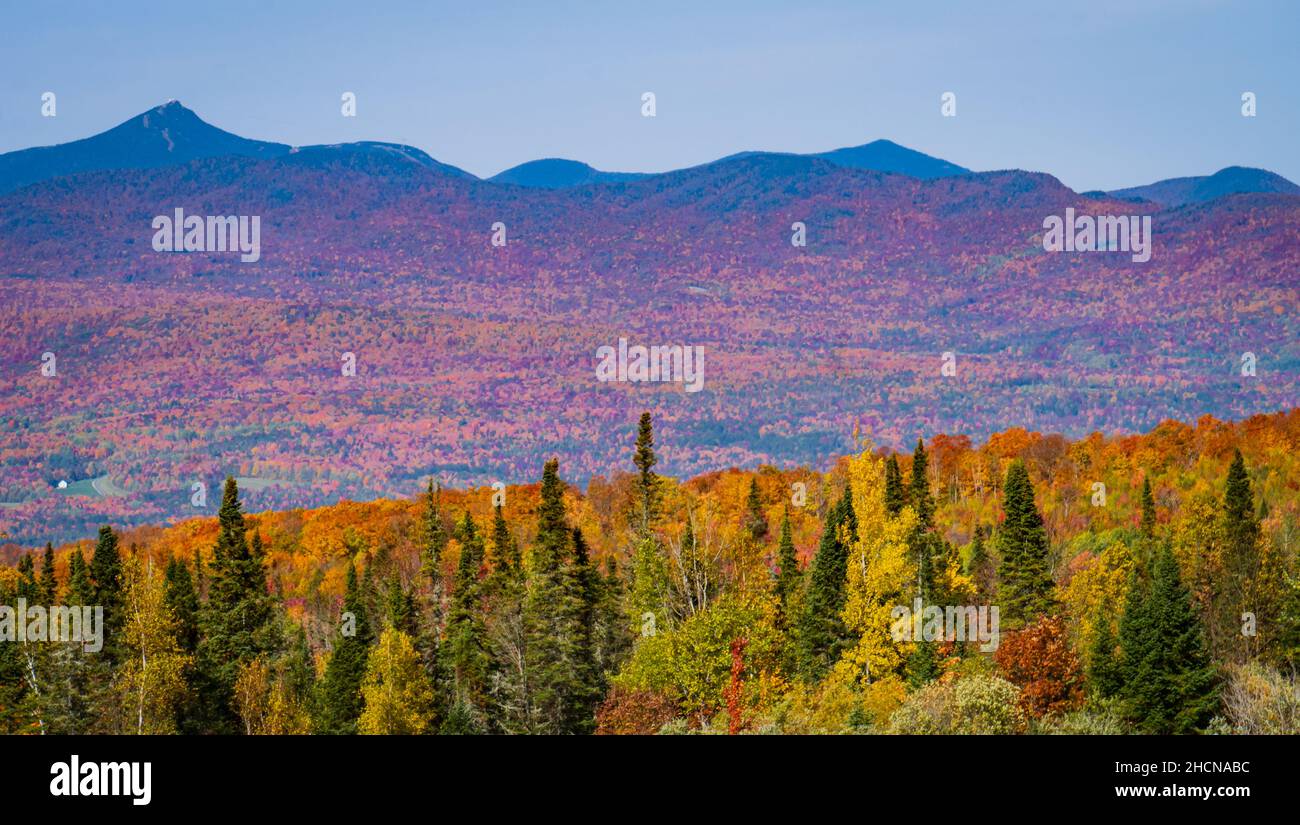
<point>1144,583</point>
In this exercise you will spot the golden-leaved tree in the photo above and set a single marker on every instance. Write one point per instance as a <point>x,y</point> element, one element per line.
<point>151,680</point>
<point>399,697</point>
<point>879,572</point>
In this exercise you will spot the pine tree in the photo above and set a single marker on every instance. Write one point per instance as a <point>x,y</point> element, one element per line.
<point>340,701</point>
<point>1025,586</point>
<point>787,563</point>
<point>237,622</point>
<point>822,634</point>
<point>648,492</point>
<point>895,498</point>
<point>755,519</point>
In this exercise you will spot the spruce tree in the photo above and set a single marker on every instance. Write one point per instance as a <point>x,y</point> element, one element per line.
<point>434,538</point>
<point>1170,684</point>
<point>16,711</point>
<point>237,622</point>
<point>80,589</point>
<point>755,520</point>
<point>552,610</point>
<point>787,564</point>
<point>184,604</point>
<point>1025,585</point>
<point>1242,563</point>
<point>106,579</point>
<point>822,634</point>
<point>400,610</point>
<point>587,678</point>
<point>465,647</point>
<point>1104,674</point>
<point>613,636</point>
<point>505,550</point>
<point>648,493</point>
<point>29,590</point>
<point>49,587</point>
<point>919,488</point>
<point>339,703</point>
<point>1148,525</point>
<point>895,498</point>
<point>980,567</point>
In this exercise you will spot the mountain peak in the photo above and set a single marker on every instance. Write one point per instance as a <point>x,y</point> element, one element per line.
<point>887,156</point>
<point>1231,180</point>
<point>558,173</point>
<point>165,135</point>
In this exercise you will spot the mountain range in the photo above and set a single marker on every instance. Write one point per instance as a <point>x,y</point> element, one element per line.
<point>171,134</point>
<point>475,361</point>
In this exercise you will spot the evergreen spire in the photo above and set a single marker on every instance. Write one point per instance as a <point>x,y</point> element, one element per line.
<point>1024,574</point>
<point>1148,525</point>
<point>895,498</point>
<point>787,562</point>
<point>755,520</point>
<point>1170,685</point>
<point>648,483</point>
<point>919,489</point>
<point>822,634</point>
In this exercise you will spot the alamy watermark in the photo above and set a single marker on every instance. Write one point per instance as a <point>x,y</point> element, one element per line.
<point>1103,233</point>
<point>209,233</point>
<point>63,623</point>
<point>683,364</point>
<point>953,623</point>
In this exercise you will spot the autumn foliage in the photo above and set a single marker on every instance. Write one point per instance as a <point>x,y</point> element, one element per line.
<point>1040,661</point>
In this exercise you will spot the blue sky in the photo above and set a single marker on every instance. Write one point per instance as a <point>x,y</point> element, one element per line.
<point>1104,95</point>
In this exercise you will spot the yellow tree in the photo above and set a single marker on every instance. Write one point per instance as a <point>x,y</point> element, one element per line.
<point>879,572</point>
<point>151,680</point>
<point>398,696</point>
<point>267,703</point>
<point>1098,589</point>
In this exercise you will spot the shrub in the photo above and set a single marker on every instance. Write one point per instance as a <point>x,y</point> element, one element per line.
<point>634,712</point>
<point>969,704</point>
<point>1259,699</point>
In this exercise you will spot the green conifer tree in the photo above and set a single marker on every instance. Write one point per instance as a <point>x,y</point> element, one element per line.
<point>1025,585</point>
<point>1170,685</point>
<point>339,703</point>
<point>822,635</point>
<point>895,497</point>
<point>237,623</point>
